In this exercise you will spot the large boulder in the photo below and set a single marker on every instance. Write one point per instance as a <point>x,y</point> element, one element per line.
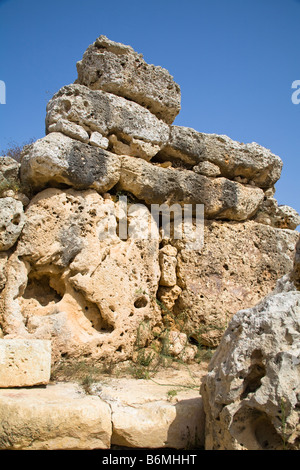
<point>58,417</point>
<point>222,198</point>
<point>251,162</point>
<point>78,112</point>
<point>118,69</point>
<point>72,279</point>
<point>60,161</point>
<point>237,267</point>
<point>252,390</point>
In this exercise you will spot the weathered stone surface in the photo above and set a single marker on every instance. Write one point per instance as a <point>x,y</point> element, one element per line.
<point>72,279</point>
<point>12,221</point>
<point>222,198</point>
<point>9,173</point>
<point>251,392</point>
<point>168,262</point>
<point>98,140</point>
<point>238,265</point>
<point>24,363</point>
<point>70,129</point>
<point>207,169</point>
<point>143,417</point>
<point>58,417</point>
<point>57,160</point>
<point>107,114</point>
<point>117,68</point>
<point>295,275</point>
<point>234,159</point>
<point>3,261</point>
<point>270,213</point>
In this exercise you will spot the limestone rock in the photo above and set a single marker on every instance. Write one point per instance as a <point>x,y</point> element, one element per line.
<point>142,416</point>
<point>168,262</point>
<point>168,296</point>
<point>98,140</point>
<point>283,216</point>
<point>237,267</point>
<point>9,174</point>
<point>57,160</point>
<point>70,129</point>
<point>295,275</point>
<point>251,392</point>
<point>3,261</point>
<point>118,69</point>
<point>74,280</point>
<point>107,114</point>
<point>249,161</point>
<point>12,221</point>
<point>207,169</point>
<point>222,198</point>
<point>24,363</point>
<point>58,417</point>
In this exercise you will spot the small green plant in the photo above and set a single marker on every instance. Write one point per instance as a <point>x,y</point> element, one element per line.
<point>87,383</point>
<point>171,394</point>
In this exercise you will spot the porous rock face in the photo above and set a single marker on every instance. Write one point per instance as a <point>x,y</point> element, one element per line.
<point>238,265</point>
<point>74,281</point>
<point>66,272</point>
<point>252,390</point>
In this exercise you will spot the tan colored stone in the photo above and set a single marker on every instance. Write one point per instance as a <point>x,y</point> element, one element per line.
<point>117,68</point>
<point>168,263</point>
<point>238,265</point>
<point>12,220</point>
<point>24,363</point>
<point>168,296</point>
<point>72,279</point>
<point>222,198</point>
<point>144,417</point>
<point>58,417</point>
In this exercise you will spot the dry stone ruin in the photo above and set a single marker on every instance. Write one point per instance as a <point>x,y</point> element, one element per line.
<point>66,273</point>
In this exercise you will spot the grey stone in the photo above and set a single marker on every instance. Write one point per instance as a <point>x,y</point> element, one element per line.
<point>106,114</point>
<point>57,160</point>
<point>251,391</point>
<point>222,198</point>
<point>250,162</point>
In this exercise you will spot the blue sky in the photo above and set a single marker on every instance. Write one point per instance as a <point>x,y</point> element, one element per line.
<point>235,61</point>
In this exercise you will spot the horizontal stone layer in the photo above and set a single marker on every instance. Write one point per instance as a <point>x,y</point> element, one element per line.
<point>222,198</point>
<point>105,113</point>
<point>251,162</point>
<point>116,68</point>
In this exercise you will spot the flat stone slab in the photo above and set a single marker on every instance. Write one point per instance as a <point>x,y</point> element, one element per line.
<point>147,414</point>
<point>165,412</point>
<point>57,417</point>
<point>24,363</point>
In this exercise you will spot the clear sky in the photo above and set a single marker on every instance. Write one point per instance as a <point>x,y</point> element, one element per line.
<point>235,61</point>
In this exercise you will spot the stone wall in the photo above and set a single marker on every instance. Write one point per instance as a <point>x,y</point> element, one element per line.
<point>66,273</point>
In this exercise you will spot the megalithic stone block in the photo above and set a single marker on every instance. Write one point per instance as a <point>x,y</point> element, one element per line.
<point>24,362</point>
